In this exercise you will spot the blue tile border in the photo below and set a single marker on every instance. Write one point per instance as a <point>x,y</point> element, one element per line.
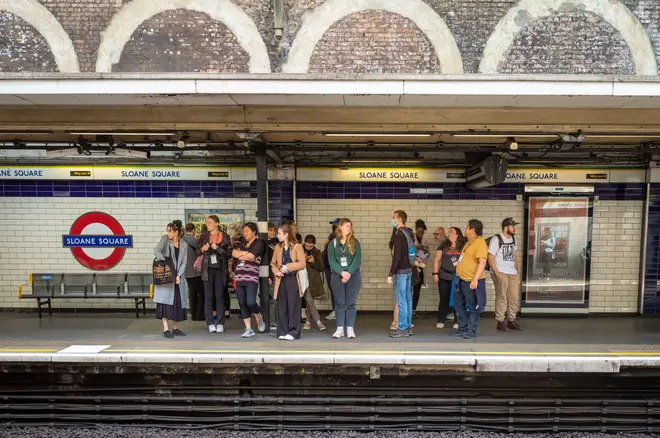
<point>652,267</point>
<point>384,190</point>
<point>280,198</point>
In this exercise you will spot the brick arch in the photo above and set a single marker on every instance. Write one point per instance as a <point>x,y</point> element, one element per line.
<point>612,11</point>
<point>39,17</point>
<point>318,21</point>
<point>124,23</point>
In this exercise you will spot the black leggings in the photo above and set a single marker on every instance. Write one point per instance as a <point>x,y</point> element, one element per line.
<point>196,297</point>
<point>247,299</point>
<point>444,289</point>
<point>214,288</point>
<point>417,289</point>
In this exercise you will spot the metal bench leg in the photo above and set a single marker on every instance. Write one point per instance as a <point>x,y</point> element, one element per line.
<point>50,309</point>
<point>137,308</point>
<point>39,307</point>
<point>144,306</point>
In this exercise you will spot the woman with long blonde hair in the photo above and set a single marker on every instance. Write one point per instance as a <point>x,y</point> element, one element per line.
<point>345,258</point>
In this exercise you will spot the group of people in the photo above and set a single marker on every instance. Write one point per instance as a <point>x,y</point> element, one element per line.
<point>297,268</point>
<point>461,263</point>
<point>208,262</point>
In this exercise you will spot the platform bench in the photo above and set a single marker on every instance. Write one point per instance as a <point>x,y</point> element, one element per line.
<point>44,287</point>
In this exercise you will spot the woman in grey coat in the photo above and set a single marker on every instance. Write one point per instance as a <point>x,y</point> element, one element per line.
<point>171,298</point>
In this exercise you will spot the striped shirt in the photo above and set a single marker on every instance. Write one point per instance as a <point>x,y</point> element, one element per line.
<point>248,272</point>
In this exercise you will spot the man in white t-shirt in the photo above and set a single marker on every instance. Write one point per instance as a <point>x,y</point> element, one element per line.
<point>502,261</point>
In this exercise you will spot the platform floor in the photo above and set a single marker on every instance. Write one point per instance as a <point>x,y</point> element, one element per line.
<point>123,332</point>
<point>610,342</point>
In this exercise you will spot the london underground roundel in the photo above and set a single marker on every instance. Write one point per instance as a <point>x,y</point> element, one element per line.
<point>97,241</point>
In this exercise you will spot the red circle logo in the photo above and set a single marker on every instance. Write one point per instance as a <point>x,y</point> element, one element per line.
<point>97,241</point>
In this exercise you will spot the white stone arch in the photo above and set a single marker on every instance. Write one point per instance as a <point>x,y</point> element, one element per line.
<point>318,21</point>
<point>39,17</point>
<point>612,11</point>
<point>124,23</point>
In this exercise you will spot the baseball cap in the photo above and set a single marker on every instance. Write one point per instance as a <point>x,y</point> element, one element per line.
<point>335,221</point>
<point>509,222</point>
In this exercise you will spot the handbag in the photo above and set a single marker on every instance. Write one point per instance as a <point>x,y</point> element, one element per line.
<point>164,271</point>
<point>199,264</point>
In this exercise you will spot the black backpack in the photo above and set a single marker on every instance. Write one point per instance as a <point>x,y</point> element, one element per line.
<point>500,243</point>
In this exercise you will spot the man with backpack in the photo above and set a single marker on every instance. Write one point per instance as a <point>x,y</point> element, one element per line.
<point>403,258</point>
<point>502,265</point>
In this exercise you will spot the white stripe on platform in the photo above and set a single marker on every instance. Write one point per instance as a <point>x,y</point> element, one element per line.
<point>83,349</point>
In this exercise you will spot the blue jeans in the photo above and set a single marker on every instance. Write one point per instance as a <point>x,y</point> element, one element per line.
<point>465,300</point>
<point>403,289</point>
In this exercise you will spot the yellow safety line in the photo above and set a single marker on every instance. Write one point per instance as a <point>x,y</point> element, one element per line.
<point>380,353</point>
<point>359,353</point>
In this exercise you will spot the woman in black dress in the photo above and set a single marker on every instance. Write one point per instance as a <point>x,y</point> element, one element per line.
<point>171,298</point>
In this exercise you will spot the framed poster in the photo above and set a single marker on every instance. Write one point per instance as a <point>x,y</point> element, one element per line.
<point>557,257</point>
<point>198,217</point>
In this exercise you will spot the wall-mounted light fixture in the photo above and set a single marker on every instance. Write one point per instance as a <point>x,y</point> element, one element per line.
<point>183,141</point>
<point>511,143</point>
<point>278,18</point>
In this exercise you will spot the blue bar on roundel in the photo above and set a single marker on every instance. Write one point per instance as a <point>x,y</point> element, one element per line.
<point>94,241</point>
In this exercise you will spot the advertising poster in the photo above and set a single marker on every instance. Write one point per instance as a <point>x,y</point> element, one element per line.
<point>227,217</point>
<point>558,249</point>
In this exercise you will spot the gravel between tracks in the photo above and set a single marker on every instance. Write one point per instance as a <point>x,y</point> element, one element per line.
<point>134,432</point>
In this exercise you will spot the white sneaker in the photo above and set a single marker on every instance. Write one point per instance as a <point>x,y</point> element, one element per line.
<point>281,338</point>
<point>248,333</point>
<point>439,325</point>
<point>307,325</point>
<point>331,316</point>
<point>350,332</point>
<point>220,328</point>
<point>288,338</point>
<point>262,326</point>
<point>339,333</point>
<point>455,325</point>
<point>212,329</point>
<point>320,326</point>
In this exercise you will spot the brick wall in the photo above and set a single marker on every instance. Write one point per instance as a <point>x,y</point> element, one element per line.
<point>615,256</point>
<point>374,42</point>
<point>181,40</point>
<point>22,47</point>
<point>575,43</point>
<point>33,229</point>
<point>369,41</point>
<point>84,20</point>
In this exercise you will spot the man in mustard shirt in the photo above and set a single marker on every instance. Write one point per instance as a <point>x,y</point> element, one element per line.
<point>470,292</point>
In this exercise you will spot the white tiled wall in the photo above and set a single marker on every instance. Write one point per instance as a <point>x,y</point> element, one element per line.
<point>31,240</point>
<point>615,252</point>
<point>616,247</point>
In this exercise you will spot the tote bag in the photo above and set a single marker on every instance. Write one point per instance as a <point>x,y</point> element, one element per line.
<point>164,271</point>
<point>303,278</point>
